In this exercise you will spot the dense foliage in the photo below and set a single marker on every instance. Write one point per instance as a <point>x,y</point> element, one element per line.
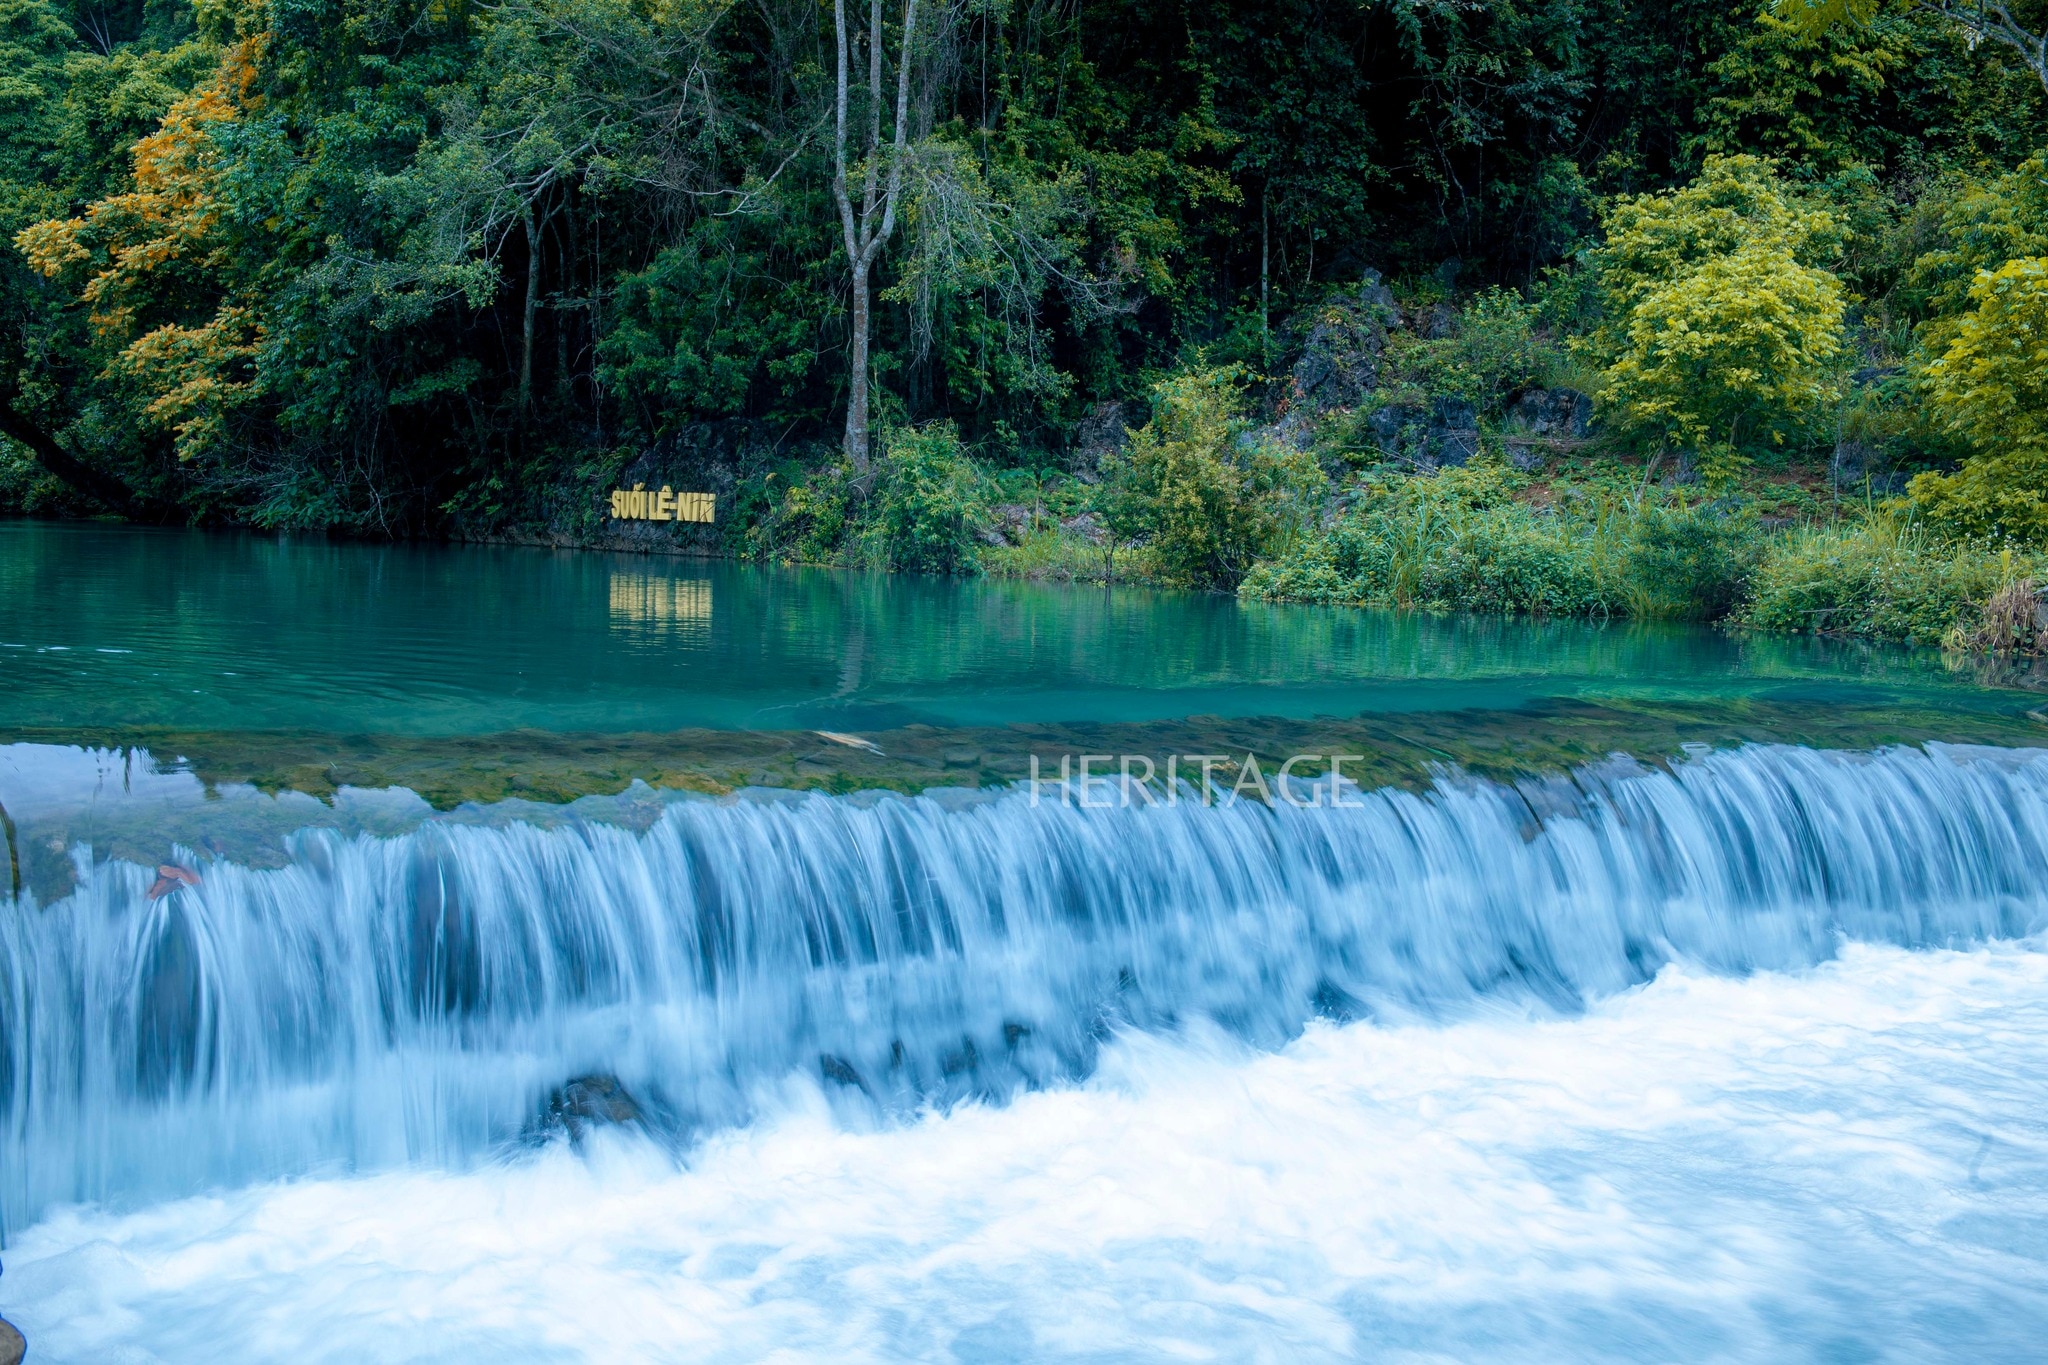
<point>1197,290</point>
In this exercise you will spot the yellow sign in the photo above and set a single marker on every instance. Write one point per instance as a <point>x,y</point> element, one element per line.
<point>640,503</point>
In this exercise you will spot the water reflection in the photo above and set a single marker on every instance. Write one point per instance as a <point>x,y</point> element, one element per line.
<point>125,626</point>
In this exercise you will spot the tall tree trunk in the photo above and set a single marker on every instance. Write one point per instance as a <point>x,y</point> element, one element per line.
<point>1265,260</point>
<point>857,365</point>
<point>862,235</point>
<point>1989,19</point>
<point>532,306</point>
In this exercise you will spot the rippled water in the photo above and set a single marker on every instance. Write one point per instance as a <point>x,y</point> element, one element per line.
<point>105,627</point>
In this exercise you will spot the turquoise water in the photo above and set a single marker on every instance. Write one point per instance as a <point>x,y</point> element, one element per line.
<point>112,627</point>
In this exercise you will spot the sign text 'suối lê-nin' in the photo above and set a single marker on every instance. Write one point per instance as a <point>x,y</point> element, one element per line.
<point>645,504</point>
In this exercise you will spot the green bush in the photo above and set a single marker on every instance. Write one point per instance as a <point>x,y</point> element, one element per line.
<point>1723,327</point>
<point>921,510</point>
<point>1991,387</point>
<point>1206,498</point>
<point>1459,541</point>
<point>26,489</point>
<point>928,502</point>
<point>1692,562</point>
<point>803,517</point>
<point>1879,579</point>
<point>1494,353</point>
<point>1456,540</point>
<point>1053,553</point>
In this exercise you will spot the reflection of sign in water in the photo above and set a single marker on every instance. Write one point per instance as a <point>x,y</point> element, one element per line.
<point>640,503</point>
<point>645,598</point>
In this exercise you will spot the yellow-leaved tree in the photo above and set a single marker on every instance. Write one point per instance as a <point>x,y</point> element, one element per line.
<point>1991,387</point>
<point>1722,326</point>
<point>153,265</point>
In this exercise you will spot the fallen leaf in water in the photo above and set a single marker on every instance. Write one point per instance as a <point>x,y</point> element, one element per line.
<point>850,741</point>
<point>169,877</point>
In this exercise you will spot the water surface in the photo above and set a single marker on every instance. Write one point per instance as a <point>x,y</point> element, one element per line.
<point>118,626</point>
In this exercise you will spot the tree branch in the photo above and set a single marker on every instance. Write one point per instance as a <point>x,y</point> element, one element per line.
<point>104,489</point>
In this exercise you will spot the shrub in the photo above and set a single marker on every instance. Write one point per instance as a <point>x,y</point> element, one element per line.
<point>1063,556</point>
<point>1982,226</point>
<point>1991,387</point>
<point>1692,562</point>
<point>1494,354</point>
<point>928,502</point>
<point>1721,325</point>
<point>1458,541</point>
<point>1207,498</point>
<point>807,516</point>
<point>1876,578</point>
<point>1452,540</point>
<point>26,489</point>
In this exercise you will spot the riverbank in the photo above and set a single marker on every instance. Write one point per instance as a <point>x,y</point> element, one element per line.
<point>1776,556</point>
<point>1491,539</point>
<point>1567,532</point>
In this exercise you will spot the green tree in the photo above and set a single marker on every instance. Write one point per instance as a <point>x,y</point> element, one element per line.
<point>1981,224</point>
<point>928,502</point>
<point>1991,386</point>
<point>2019,26</point>
<point>1722,330</point>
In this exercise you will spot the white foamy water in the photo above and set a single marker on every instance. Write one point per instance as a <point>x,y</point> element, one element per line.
<point>1842,1163</point>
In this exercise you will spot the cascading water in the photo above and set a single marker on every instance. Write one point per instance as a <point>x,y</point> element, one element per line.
<point>411,998</point>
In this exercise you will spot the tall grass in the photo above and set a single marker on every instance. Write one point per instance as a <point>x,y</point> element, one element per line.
<point>1460,541</point>
<point>1057,555</point>
<point>1881,577</point>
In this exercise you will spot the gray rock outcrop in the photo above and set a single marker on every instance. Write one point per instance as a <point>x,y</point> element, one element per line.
<point>1453,434</point>
<point>1545,419</point>
<point>1858,467</point>
<point>1552,414</point>
<point>1104,431</point>
<point>1445,434</point>
<point>1340,356</point>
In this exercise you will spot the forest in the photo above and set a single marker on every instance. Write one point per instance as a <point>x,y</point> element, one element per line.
<point>1580,307</point>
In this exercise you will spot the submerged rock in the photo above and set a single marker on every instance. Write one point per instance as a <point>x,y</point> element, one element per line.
<point>169,877</point>
<point>13,1346</point>
<point>589,1102</point>
<point>839,1071</point>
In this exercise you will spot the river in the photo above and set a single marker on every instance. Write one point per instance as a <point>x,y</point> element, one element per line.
<point>458,954</point>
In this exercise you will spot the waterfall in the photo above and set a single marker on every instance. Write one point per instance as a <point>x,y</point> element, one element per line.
<point>380,1000</point>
